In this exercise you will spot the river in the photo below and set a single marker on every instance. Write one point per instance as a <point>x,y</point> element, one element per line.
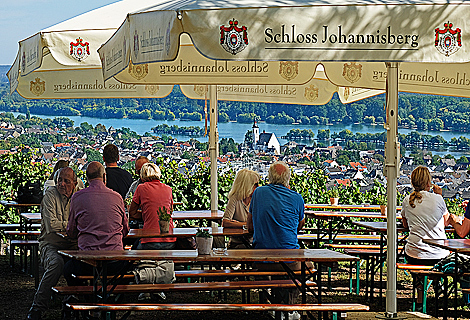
<point>237,131</point>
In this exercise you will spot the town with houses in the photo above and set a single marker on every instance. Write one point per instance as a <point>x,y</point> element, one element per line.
<point>453,177</point>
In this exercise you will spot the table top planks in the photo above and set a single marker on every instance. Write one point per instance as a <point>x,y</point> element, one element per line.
<point>455,245</point>
<point>378,226</point>
<point>176,215</point>
<point>185,232</point>
<point>344,206</point>
<point>197,214</point>
<point>239,255</point>
<point>346,214</point>
<point>14,204</point>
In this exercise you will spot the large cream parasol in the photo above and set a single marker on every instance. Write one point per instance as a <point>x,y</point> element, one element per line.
<point>379,44</point>
<point>62,62</point>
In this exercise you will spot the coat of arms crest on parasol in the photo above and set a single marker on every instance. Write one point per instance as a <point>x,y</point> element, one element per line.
<point>152,88</point>
<point>288,69</point>
<point>233,38</point>
<point>311,93</point>
<point>352,71</point>
<point>200,90</point>
<point>37,86</point>
<point>139,71</point>
<point>448,41</point>
<point>79,50</point>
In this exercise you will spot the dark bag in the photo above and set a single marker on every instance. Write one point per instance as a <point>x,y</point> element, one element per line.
<point>30,193</point>
<point>188,243</point>
<point>447,264</point>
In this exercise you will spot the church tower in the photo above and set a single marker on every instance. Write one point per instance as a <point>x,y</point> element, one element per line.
<point>255,130</point>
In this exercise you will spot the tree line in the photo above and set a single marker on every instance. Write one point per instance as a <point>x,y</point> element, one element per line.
<point>423,112</point>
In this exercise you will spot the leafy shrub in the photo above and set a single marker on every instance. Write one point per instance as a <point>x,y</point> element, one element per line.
<point>15,170</point>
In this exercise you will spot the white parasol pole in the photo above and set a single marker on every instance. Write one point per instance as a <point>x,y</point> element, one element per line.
<point>392,163</point>
<point>213,146</point>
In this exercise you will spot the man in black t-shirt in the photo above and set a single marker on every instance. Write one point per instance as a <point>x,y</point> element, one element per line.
<point>117,179</point>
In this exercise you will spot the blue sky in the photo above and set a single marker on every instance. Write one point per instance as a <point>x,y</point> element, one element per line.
<point>20,19</point>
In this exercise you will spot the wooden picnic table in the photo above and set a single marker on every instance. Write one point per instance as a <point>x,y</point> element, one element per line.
<point>19,207</point>
<point>100,258</point>
<point>201,215</point>
<point>346,214</point>
<point>381,228</point>
<point>14,204</point>
<point>185,232</point>
<point>332,222</point>
<point>378,226</point>
<point>344,206</point>
<point>459,246</point>
<point>29,218</point>
<point>454,245</point>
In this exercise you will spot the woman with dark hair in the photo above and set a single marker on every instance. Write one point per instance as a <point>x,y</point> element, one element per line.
<point>426,215</point>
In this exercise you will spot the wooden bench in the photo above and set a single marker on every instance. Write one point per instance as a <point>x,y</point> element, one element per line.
<point>355,246</point>
<point>364,251</point>
<point>10,226</point>
<point>26,234</point>
<point>225,273</point>
<point>341,238</point>
<point>128,308</point>
<point>27,245</point>
<point>373,258</point>
<point>193,286</point>
<point>412,267</point>
<point>431,275</point>
<point>244,286</point>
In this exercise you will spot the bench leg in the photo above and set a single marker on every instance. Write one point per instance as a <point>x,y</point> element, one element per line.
<point>12,255</point>
<point>350,276</point>
<point>329,279</point>
<point>446,290</point>
<point>358,279</point>
<point>425,292</point>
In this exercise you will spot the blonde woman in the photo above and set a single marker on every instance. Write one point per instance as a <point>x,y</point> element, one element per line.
<point>239,198</point>
<point>426,215</point>
<point>151,195</point>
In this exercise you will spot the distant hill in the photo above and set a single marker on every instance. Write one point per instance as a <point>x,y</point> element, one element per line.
<point>3,73</point>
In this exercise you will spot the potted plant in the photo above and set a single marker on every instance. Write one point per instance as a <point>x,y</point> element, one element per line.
<point>164,219</point>
<point>334,196</point>
<point>382,202</point>
<point>203,241</point>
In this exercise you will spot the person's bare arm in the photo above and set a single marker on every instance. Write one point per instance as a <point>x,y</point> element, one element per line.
<point>404,222</point>
<point>446,217</point>
<point>301,225</point>
<point>249,223</point>
<point>437,189</point>
<point>461,227</point>
<point>226,223</point>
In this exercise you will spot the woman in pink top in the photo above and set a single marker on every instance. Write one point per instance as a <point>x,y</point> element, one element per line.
<point>149,196</point>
